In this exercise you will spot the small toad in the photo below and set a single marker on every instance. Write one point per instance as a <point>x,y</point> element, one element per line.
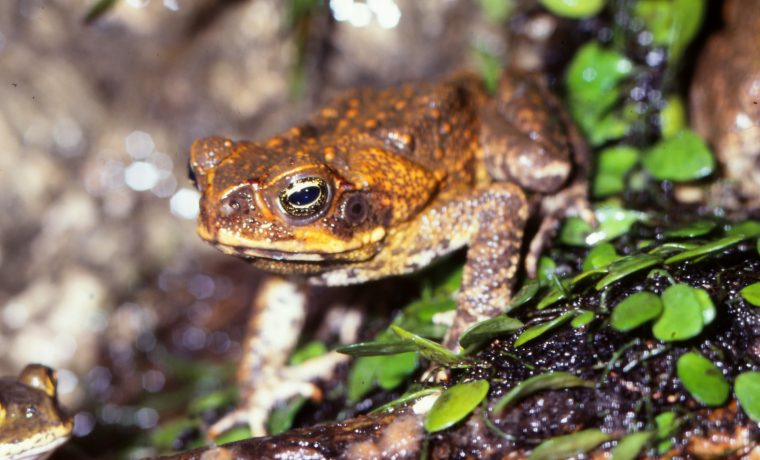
<point>384,182</point>
<point>32,425</point>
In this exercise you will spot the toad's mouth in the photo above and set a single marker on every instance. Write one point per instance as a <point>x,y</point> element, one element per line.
<point>275,254</point>
<point>304,248</point>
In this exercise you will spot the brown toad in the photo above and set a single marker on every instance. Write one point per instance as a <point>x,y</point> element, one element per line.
<point>384,182</point>
<point>32,425</point>
<point>725,99</point>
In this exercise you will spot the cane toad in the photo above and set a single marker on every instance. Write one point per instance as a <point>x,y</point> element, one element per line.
<point>384,182</point>
<point>31,424</point>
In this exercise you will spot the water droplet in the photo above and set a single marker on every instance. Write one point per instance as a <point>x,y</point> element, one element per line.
<point>184,203</point>
<point>139,144</point>
<point>141,176</point>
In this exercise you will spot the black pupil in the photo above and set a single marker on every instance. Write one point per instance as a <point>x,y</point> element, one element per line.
<point>357,209</point>
<point>305,196</point>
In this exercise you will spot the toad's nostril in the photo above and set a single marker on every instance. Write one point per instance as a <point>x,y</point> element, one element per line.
<point>232,206</point>
<point>237,202</point>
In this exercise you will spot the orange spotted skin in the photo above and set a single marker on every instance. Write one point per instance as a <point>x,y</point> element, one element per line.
<point>394,144</point>
<point>384,182</point>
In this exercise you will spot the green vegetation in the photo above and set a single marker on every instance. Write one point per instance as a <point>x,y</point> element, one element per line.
<point>629,447</point>
<point>747,389</point>
<point>574,9</point>
<point>702,379</point>
<point>635,310</point>
<point>455,404</point>
<point>667,424</point>
<point>681,314</point>
<point>613,165</point>
<point>569,445</point>
<point>673,24</point>
<point>594,80</point>
<point>549,381</point>
<point>538,330</point>
<point>486,330</point>
<point>680,158</point>
<point>751,293</point>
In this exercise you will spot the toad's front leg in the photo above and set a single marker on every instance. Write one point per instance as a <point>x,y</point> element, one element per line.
<point>265,379</point>
<point>489,221</point>
<point>493,255</point>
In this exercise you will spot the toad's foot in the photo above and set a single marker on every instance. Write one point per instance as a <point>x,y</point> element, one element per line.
<point>276,387</point>
<point>570,202</point>
<point>265,379</point>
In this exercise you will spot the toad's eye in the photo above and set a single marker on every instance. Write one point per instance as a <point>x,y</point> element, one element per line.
<point>305,197</point>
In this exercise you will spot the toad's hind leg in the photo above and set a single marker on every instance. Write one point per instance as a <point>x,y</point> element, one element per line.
<point>494,241</point>
<point>525,137</point>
